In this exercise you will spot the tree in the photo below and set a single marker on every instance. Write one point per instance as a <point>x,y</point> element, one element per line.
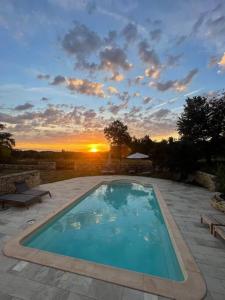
<point>203,122</point>
<point>217,117</point>
<point>6,139</point>
<point>143,145</point>
<point>117,134</point>
<point>203,119</point>
<point>160,155</point>
<point>6,144</point>
<point>182,158</point>
<point>193,124</point>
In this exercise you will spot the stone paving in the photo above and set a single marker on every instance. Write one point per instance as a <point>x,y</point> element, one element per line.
<point>23,280</point>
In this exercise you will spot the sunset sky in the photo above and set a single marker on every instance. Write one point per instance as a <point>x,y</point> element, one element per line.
<point>70,67</point>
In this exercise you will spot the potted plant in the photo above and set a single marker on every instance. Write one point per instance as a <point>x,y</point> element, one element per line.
<point>218,200</point>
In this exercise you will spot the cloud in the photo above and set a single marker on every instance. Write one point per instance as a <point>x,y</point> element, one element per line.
<point>135,110</point>
<point>114,58</point>
<point>81,86</point>
<point>117,77</point>
<point>163,86</point>
<point>221,63</point>
<point>43,76</point>
<point>177,85</point>
<point>216,26</point>
<point>148,55</point>
<point>44,99</point>
<point>70,4</point>
<point>153,73</point>
<point>209,26</point>
<point>173,60</point>
<point>147,100</point>
<point>198,23</point>
<point>138,79</point>
<point>213,61</point>
<point>91,7</point>
<point>6,118</point>
<point>59,79</point>
<point>156,35</point>
<point>89,114</point>
<point>24,106</point>
<point>124,96</point>
<point>81,41</point>
<point>181,85</point>
<point>112,90</point>
<point>111,38</point>
<point>86,87</point>
<point>130,32</point>
<point>50,120</point>
<point>161,113</point>
<point>180,40</point>
<point>115,109</point>
<point>150,58</point>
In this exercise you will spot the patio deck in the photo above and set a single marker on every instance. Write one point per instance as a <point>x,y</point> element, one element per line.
<point>23,280</point>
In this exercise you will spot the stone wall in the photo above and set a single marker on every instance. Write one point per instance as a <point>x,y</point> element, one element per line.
<point>32,178</point>
<point>120,167</point>
<point>39,166</point>
<point>206,180</point>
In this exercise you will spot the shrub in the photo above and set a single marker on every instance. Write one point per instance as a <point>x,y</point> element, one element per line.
<point>220,175</point>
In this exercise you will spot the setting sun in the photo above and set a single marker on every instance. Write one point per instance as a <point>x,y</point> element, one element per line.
<point>93,149</point>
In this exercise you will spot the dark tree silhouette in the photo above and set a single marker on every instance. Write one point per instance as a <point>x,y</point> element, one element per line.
<point>143,145</point>
<point>117,133</point>
<point>203,122</point>
<point>6,139</point>
<point>193,124</point>
<point>203,119</point>
<point>217,117</point>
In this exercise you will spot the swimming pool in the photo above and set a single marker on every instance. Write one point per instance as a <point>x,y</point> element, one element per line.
<point>119,224</point>
<point>143,200</point>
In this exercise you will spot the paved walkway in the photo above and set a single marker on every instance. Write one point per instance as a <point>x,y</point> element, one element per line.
<point>23,280</point>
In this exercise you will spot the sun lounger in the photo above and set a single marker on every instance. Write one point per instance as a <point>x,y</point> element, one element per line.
<point>18,200</point>
<point>22,188</point>
<point>219,230</point>
<point>213,220</point>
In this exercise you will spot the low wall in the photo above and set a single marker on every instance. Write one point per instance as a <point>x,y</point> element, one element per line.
<point>32,178</point>
<point>120,167</point>
<point>206,180</point>
<point>39,166</point>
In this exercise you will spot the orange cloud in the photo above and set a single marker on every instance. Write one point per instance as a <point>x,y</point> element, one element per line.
<point>118,77</point>
<point>153,73</point>
<point>113,90</point>
<point>222,61</point>
<point>87,87</point>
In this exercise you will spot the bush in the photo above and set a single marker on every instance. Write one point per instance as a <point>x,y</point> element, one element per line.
<point>220,175</point>
<point>5,154</point>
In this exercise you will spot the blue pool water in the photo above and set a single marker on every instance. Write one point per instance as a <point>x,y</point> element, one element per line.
<point>118,224</point>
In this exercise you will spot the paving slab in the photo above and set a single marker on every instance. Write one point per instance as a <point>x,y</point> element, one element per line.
<point>19,280</point>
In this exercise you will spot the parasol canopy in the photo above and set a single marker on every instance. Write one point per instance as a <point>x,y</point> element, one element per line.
<point>137,155</point>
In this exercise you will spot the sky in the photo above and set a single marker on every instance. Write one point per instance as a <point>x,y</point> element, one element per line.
<point>70,67</point>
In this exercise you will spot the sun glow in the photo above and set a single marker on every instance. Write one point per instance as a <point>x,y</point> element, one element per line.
<point>93,149</point>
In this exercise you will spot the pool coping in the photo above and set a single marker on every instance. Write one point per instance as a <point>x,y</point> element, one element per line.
<point>193,287</point>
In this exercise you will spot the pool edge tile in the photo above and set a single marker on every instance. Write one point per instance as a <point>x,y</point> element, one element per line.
<point>142,282</point>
